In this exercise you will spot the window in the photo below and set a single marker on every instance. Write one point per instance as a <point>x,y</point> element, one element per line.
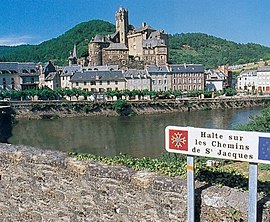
<point>4,83</point>
<point>108,82</point>
<point>77,84</point>
<point>116,82</point>
<point>92,83</point>
<point>84,83</point>
<point>100,82</point>
<point>12,83</point>
<point>159,82</point>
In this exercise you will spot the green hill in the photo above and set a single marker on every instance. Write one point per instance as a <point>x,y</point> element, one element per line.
<point>58,49</point>
<point>212,51</point>
<point>183,48</point>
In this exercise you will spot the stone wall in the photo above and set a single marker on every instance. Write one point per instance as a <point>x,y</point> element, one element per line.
<point>48,109</point>
<point>44,185</point>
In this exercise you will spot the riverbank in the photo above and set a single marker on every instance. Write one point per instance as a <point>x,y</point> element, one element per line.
<point>44,185</point>
<point>60,109</point>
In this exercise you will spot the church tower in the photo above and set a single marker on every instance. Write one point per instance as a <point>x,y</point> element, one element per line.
<point>72,59</point>
<point>121,18</point>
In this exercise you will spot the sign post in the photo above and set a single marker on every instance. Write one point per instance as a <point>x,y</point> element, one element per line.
<point>252,147</point>
<point>252,188</point>
<point>190,189</point>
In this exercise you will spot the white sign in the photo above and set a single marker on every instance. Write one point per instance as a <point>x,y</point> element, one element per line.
<point>225,144</point>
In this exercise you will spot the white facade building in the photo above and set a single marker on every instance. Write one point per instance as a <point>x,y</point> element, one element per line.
<point>247,80</point>
<point>263,75</point>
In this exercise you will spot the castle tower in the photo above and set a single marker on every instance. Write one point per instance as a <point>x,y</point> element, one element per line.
<point>121,18</point>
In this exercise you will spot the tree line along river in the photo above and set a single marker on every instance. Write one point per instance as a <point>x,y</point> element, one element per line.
<point>138,136</point>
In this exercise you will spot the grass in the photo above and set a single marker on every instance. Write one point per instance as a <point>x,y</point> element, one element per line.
<point>231,174</point>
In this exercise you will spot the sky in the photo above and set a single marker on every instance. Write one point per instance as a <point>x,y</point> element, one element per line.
<point>34,21</point>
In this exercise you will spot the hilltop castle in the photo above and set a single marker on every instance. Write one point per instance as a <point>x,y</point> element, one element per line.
<point>129,47</point>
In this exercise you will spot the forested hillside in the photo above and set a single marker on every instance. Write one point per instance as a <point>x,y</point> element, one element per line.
<point>58,49</point>
<point>212,51</point>
<point>183,48</point>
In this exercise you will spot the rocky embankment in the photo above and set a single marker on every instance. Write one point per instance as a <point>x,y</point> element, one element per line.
<point>44,185</point>
<point>54,109</point>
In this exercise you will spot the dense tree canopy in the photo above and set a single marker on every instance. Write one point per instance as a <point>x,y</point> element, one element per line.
<point>212,51</point>
<point>58,49</point>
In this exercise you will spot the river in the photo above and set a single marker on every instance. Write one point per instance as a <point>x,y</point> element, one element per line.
<point>138,136</point>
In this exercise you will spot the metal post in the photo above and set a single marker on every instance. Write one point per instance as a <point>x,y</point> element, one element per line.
<point>252,192</point>
<point>190,189</point>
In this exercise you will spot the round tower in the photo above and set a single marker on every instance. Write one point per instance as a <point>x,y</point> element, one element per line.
<point>95,54</point>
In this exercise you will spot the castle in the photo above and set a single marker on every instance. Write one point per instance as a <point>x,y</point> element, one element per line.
<point>129,47</point>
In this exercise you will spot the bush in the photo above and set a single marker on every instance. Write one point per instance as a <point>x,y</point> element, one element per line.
<point>120,105</point>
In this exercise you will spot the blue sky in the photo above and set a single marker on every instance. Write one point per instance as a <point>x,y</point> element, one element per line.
<point>34,21</point>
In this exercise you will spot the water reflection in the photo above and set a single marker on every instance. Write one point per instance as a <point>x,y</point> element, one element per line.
<point>137,136</point>
<point>5,127</point>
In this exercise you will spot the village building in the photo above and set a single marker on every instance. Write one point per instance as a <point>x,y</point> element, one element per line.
<point>52,80</point>
<point>215,80</point>
<point>49,76</point>
<point>98,81</point>
<point>160,77</point>
<point>247,80</point>
<point>263,75</point>
<point>66,75</point>
<point>137,80</point>
<point>18,76</point>
<point>187,77</point>
<point>129,47</point>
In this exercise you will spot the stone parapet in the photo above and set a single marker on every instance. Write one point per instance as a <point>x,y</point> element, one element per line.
<point>45,185</point>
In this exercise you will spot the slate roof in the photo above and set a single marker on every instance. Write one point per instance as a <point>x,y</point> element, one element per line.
<point>69,70</point>
<point>187,68</point>
<point>153,43</point>
<point>263,68</point>
<point>51,76</point>
<point>142,28</point>
<point>159,69</point>
<point>15,67</point>
<point>117,46</point>
<point>97,76</point>
<point>98,38</point>
<point>135,73</point>
<point>213,75</point>
<point>248,72</point>
<point>102,68</point>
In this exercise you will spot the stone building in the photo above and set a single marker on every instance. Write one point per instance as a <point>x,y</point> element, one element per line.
<point>129,47</point>
<point>137,80</point>
<point>160,77</point>
<point>18,76</point>
<point>67,73</point>
<point>187,77</point>
<point>99,81</point>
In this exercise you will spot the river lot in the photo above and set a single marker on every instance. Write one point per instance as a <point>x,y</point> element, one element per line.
<point>138,136</point>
